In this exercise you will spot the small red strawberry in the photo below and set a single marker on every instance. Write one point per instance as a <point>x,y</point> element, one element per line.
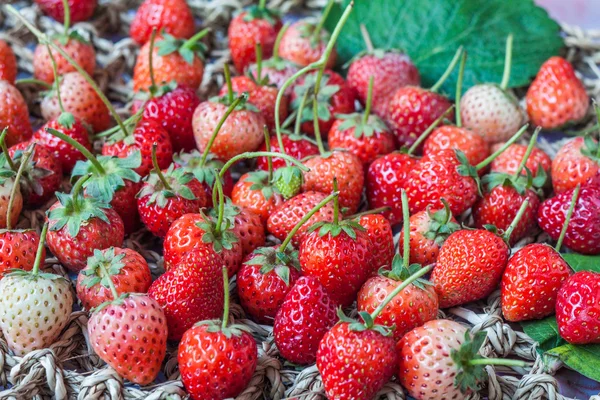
<point>249,228</point>
<point>217,360</point>
<point>205,168</point>
<point>254,192</point>
<point>296,146</point>
<point>257,25</point>
<point>170,16</point>
<point>62,151</point>
<point>511,158</point>
<point>575,163</point>
<point>8,63</point>
<point>14,114</point>
<point>11,198</point>
<point>74,45</point>
<point>130,335</point>
<point>126,268</point>
<point>379,230</point>
<point>190,292</point>
<point>307,300</point>
<point>79,10</point>
<point>305,42</point>
<point>577,308</point>
<point>556,95</point>
<point>470,143</point>
<point>79,225</point>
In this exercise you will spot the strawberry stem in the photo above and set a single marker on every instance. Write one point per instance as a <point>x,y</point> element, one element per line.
<point>259,55</point>
<point>13,193</point>
<point>505,146</point>
<point>218,188</point>
<point>499,361</point>
<point>232,106</point>
<point>227,74</point>
<point>369,101</point>
<point>377,210</point>
<point>76,191</point>
<point>317,129</point>
<point>40,250</point>
<point>317,29</point>
<point>459,84</point>
<point>336,203</point>
<point>262,4</point>
<point>530,147</point>
<point>86,153</point>
<point>507,62</point>
<point>269,158</point>
<point>192,41</point>
<point>255,154</point>
<point>367,38</point>
<point>299,113</point>
<point>157,168</point>
<point>225,298</point>
<point>150,65</point>
<point>56,78</point>
<point>282,31</point>
<point>597,125</point>
<point>515,221</point>
<point>570,211</point>
<point>429,129</point>
<point>406,229</point>
<point>4,148</point>
<point>448,71</point>
<point>66,16</point>
<point>33,81</point>
<point>304,219</point>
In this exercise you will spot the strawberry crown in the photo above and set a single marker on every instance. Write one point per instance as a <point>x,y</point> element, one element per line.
<point>591,148</point>
<point>187,49</point>
<point>258,12</point>
<point>362,128</point>
<point>32,174</point>
<point>64,38</point>
<point>314,32</point>
<point>172,183</point>
<point>102,260</point>
<point>401,272</point>
<point>288,180</point>
<point>469,375</point>
<point>274,259</point>
<point>326,92</point>
<point>260,181</point>
<point>518,182</point>
<point>220,235</point>
<point>441,225</point>
<point>5,170</point>
<point>192,162</point>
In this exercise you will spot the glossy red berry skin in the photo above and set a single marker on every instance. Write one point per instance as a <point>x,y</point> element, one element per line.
<point>244,35</point>
<point>379,230</point>
<point>298,149</point>
<point>570,167</point>
<point>171,16</point>
<point>578,308</point>
<point>125,204</point>
<point>18,249</point>
<point>80,10</point>
<point>62,151</point>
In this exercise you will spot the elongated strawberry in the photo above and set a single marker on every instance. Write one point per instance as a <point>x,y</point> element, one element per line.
<point>8,63</point>
<point>14,114</point>
<point>577,308</point>
<point>170,16</point>
<point>379,231</point>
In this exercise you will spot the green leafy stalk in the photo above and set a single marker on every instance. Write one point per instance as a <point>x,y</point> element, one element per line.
<point>336,204</point>
<point>317,129</point>
<point>597,109</point>
<point>299,112</point>
<point>369,101</point>
<point>459,84</point>
<point>4,148</point>
<point>40,250</point>
<point>528,151</point>
<point>429,129</point>
<point>372,211</point>
<point>282,31</point>
<point>13,193</point>
<point>259,56</point>
<point>499,361</point>
<point>227,74</point>
<point>448,71</point>
<point>507,62</point>
<point>269,158</point>
<point>157,170</point>
<point>111,284</point>
<point>67,16</point>
<point>255,154</point>
<point>367,38</point>
<point>56,77</point>
<point>501,150</point>
<point>86,153</point>
<point>570,211</point>
<point>319,27</point>
<point>226,298</point>
<point>150,61</point>
<point>218,189</point>
<point>406,230</point>
<point>262,4</point>
<point>515,221</point>
<point>33,81</point>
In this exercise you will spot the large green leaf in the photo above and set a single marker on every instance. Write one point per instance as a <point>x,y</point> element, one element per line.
<point>545,332</point>
<point>580,262</point>
<point>430,31</point>
<point>583,359</point>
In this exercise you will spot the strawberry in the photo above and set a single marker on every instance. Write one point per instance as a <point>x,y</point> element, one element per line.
<point>78,98</point>
<point>174,109</point>
<point>167,195</point>
<point>217,360</point>
<point>130,335</point>
<point>304,43</point>
<point>296,146</point>
<point>79,10</point>
<point>307,300</point>
<point>511,158</point>
<point>576,162</point>
<point>556,95</point>
<point>491,110</point>
<point>205,168</point>
<point>334,97</point>
<point>11,198</point>
<point>577,308</point>
<point>470,143</point>
<point>389,69</point>
<point>190,292</point>
<point>346,168</point>
<point>126,268</point>
<point>8,63</point>
<point>170,16</point>
<point>288,181</point>
<point>228,126</point>
<point>249,228</point>
<point>254,192</point>
<point>582,233</point>
<point>362,134</point>
<point>76,47</point>
<point>338,254</point>
<point>264,279</point>
<point>531,281</point>
<point>79,225</point>
<point>34,306</point>
<point>124,203</point>
<point>14,114</point>
<point>257,25</point>
<point>379,230</point>
<point>173,59</point>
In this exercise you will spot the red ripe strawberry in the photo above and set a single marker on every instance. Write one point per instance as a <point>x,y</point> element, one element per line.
<point>80,10</point>
<point>174,111</point>
<point>511,158</point>
<point>171,16</point>
<point>469,266</point>
<point>249,228</point>
<point>348,171</point>
<point>173,60</point>
<point>335,97</point>
<point>167,195</point>
<point>18,249</point>
<point>574,164</point>
<point>143,137</point>
<point>531,281</point>
<point>297,341</point>
<point>14,114</point>
<point>257,25</point>
<point>583,233</point>
<point>556,96</point>
<point>10,187</point>
<point>79,225</point>
<point>255,193</point>
<point>302,44</point>
<point>75,46</point>
<point>471,144</point>
<point>261,96</point>
<point>62,151</point>
<point>8,63</point>
<point>196,230</point>
<point>124,203</point>
<point>379,230</point>
<point>80,99</point>
<point>204,171</point>
<point>577,308</point>
<point>42,175</point>
<point>190,292</point>
<point>264,279</point>
<point>241,132</point>
<point>217,361</point>
<point>126,268</point>
<point>296,146</point>
<point>428,231</point>
<point>130,335</point>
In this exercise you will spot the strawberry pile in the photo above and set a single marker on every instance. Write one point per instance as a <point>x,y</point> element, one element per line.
<point>330,167</point>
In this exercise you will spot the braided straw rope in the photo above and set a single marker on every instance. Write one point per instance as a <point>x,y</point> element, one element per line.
<point>69,369</point>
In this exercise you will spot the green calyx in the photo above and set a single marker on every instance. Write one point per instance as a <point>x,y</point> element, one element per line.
<point>441,225</point>
<point>203,172</point>
<point>115,302</point>
<point>349,227</point>
<point>116,134</point>
<point>222,237</point>
<point>273,259</point>
<point>101,261</point>
<point>469,376</point>
<point>241,99</point>
<point>521,183</point>
<point>32,174</point>
<point>326,92</point>
<point>214,326</point>
<point>64,38</point>
<point>260,181</point>
<point>466,169</point>
<point>176,186</point>
<point>366,324</point>
<point>400,272</point>
<point>362,128</point>
<point>187,49</point>
<point>315,33</point>
<point>288,181</point>
<point>5,170</point>
<point>591,148</point>
<point>258,12</point>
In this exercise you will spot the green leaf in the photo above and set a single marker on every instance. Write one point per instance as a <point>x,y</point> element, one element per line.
<point>545,332</point>
<point>431,31</point>
<point>583,359</point>
<point>582,263</point>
